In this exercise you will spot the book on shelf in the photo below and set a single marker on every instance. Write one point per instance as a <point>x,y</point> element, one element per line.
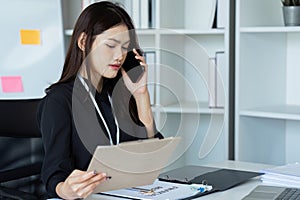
<point>150,57</point>
<point>85,3</point>
<point>212,71</point>
<point>217,80</point>
<point>152,13</point>
<point>201,12</point>
<point>286,175</point>
<point>221,13</point>
<point>142,12</point>
<point>221,78</point>
<point>135,13</point>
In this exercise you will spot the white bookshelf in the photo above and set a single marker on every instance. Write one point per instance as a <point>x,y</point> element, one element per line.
<point>179,70</point>
<point>267,112</point>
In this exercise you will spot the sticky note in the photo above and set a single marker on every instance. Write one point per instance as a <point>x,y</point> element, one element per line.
<point>30,37</point>
<point>11,84</point>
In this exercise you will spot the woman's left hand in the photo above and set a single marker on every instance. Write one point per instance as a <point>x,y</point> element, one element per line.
<point>140,92</point>
<point>139,87</point>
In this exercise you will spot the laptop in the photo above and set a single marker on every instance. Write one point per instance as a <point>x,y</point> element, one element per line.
<point>264,192</point>
<point>132,164</point>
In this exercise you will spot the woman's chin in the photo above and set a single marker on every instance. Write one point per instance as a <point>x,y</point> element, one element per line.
<point>111,75</point>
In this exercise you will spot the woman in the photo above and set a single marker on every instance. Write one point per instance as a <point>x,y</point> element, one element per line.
<point>95,102</point>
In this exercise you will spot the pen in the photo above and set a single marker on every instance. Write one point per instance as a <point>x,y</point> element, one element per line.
<point>106,177</point>
<point>201,187</point>
<point>142,190</point>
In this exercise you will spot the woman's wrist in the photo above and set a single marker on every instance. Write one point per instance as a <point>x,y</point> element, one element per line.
<point>145,112</point>
<point>141,95</point>
<point>144,109</point>
<point>142,100</point>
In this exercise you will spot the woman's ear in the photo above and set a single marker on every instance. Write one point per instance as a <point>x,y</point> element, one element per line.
<point>82,41</point>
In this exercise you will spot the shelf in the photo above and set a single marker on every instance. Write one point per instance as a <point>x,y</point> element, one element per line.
<point>270,29</point>
<point>191,31</point>
<point>146,31</point>
<point>189,107</point>
<point>68,32</point>
<point>286,112</point>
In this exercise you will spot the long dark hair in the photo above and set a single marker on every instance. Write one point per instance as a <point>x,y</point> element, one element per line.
<point>94,20</point>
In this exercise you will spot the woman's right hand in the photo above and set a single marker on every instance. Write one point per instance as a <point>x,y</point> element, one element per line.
<point>79,184</point>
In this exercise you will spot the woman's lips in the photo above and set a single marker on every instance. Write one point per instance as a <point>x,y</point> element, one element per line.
<point>115,67</point>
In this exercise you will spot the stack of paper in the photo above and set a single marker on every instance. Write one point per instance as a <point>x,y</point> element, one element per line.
<point>287,175</point>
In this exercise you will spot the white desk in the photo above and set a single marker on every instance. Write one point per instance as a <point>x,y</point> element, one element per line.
<point>235,193</point>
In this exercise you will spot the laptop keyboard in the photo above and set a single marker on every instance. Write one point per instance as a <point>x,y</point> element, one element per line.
<point>289,194</point>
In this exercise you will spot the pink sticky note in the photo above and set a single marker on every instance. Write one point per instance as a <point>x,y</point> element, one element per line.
<point>12,84</point>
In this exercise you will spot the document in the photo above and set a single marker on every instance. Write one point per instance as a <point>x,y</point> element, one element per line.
<point>139,162</point>
<point>157,191</point>
<point>292,170</point>
<point>286,175</point>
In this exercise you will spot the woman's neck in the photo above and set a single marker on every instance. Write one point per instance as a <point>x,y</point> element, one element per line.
<point>96,81</point>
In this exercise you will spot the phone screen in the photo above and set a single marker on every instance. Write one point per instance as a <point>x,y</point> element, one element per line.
<point>135,71</point>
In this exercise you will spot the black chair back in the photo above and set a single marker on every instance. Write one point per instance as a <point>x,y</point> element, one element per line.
<point>21,150</point>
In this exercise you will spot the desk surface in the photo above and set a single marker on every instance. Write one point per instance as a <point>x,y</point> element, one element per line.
<point>235,193</point>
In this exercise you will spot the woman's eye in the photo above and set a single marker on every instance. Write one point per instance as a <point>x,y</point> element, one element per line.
<point>110,46</point>
<point>125,48</point>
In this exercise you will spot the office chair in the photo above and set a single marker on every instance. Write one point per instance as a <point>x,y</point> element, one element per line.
<point>21,151</point>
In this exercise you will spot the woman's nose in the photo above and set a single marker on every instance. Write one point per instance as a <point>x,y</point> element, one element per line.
<point>119,54</point>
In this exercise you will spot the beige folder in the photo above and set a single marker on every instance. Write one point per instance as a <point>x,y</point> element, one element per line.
<point>132,164</point>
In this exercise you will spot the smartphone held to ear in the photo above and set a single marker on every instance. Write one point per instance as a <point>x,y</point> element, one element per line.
<point>135,71</point>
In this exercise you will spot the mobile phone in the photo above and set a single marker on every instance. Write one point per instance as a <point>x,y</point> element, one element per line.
<point>136,73</point>
<point>133,68</point>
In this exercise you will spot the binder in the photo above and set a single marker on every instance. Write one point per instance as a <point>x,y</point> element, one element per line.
<point>185,174</point>
<point>220,179</point>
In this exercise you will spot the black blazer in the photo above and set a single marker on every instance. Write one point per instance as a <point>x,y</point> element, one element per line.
<point>71,129</point>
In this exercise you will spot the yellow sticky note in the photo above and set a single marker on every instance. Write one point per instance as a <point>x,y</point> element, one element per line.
<point>30,37</point>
